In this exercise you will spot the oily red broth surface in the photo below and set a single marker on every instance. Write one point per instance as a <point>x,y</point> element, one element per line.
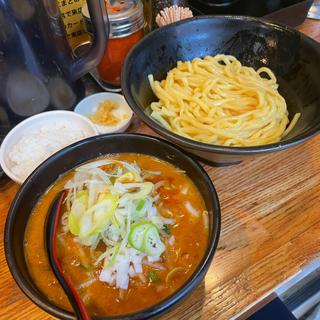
<point>190,233</point>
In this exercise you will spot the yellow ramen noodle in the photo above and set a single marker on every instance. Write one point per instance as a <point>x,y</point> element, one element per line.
<point>218,101</point>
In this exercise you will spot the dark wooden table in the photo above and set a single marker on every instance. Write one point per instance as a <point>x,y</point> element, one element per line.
<point>270,231</point>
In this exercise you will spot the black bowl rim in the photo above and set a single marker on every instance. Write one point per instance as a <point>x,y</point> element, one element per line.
<point>154,310</point>
<point>197,145</point>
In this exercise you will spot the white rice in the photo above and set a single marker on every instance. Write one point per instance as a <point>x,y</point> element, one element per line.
<point>40,143</point>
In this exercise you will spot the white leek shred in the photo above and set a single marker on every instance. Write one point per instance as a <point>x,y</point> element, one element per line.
<point>191,209</point>
<point>64,222</point>
<point>102,257</point>
<point>171,240</point>
<point>185,190</point>
<point>134,200</point>
<point>205,219</point>
<point>151,259</point>
<point>153,265</point>
<point>150,172</point>
<point>159,184</point>
<point>96,164</point>
<point>86,284</point>
<point>128,261</point>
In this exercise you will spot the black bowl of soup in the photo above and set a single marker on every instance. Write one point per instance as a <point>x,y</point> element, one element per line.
<point>243,87</point>
<point>126,238</point>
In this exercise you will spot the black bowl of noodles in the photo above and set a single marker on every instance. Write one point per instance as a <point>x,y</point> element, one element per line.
<point>292,57</point>
<point>44,182</point>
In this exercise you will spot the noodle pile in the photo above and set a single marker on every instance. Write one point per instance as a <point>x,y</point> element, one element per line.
<point>218,101</point>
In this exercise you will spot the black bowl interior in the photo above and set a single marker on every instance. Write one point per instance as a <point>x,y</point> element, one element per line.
<point>292,56</point>
<point>72,156</point>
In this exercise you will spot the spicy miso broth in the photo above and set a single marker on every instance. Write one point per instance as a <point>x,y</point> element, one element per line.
<point>133,229</point>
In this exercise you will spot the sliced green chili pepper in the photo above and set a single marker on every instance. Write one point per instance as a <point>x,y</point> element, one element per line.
<point>136,234</point>
<point>144,236</point>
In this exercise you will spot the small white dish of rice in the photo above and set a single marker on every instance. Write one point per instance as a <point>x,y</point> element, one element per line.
<point>35,139</point>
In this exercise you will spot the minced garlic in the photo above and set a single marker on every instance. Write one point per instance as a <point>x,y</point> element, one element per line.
<point>104,114</point>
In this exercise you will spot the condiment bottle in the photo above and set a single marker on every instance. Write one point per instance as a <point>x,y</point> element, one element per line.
<point>126,21</point>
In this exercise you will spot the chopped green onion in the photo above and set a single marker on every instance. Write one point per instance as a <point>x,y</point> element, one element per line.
<point>112,180</point>
<point>95,218</point>
<point>153,277</point>
<point>139,208</point>
<point>174,272</point>
<point>140,205</point>
<point>79,206</point>
<point>166,229</point>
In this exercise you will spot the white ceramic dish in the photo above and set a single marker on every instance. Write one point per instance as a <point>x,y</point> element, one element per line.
<point>33,123</point>
<point>90,104</point>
